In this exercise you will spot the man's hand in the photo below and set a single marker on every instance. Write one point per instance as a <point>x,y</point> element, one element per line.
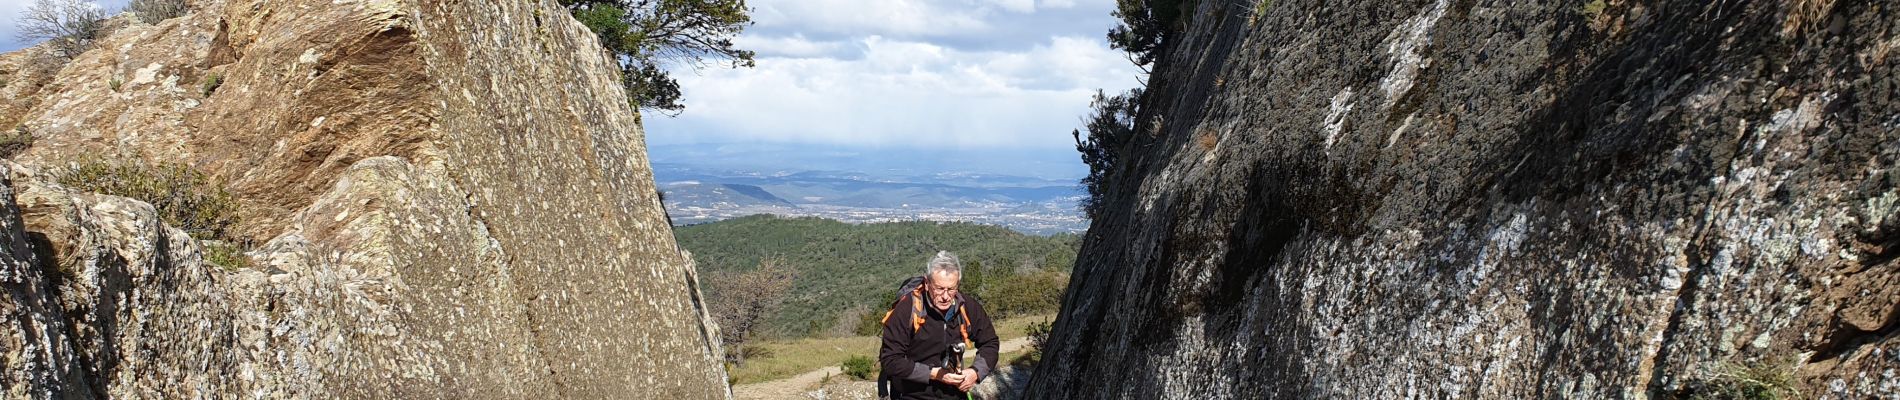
<point>946,377</point>
<point>969,380</point>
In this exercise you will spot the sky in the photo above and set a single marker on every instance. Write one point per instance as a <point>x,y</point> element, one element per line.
<point>962,74</point>
<point>965,74</point>
<point>10,11</point>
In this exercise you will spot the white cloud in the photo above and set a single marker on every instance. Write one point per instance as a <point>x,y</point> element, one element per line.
<point>876,17</point>
<point>963,73</point>
<point>1016,6</point>
<point>795,46</point>
<point>901,92</point>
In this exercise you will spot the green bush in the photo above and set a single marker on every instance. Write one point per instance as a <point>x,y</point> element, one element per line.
<point>227,255</point>
<point>861,367</point>
<point>185,198</point>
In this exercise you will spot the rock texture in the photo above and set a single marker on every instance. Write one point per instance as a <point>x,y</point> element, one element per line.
<point>1483,199</point>
<point>450,200</point>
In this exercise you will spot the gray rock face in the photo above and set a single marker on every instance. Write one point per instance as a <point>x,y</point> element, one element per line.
<point>1474,199</point>
<point>453,201</point>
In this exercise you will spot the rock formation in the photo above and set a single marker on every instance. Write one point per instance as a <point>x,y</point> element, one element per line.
<point>1482,199</point>
<point>448,199</point>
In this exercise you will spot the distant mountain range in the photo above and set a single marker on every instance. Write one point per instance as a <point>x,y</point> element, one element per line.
<point>723,187</point>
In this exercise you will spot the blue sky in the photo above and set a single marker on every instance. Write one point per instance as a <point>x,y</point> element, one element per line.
<point>968,74</point>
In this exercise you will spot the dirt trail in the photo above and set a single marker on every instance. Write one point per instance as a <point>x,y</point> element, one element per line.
<point>796,387</point>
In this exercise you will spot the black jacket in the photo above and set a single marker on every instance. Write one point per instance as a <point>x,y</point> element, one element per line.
<point>907,356</point>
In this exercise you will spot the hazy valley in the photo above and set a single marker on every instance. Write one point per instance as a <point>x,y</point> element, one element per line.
<point>706,183</point>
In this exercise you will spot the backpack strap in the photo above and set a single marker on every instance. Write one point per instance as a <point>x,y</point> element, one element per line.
<point>916,310</point>
<point>965,326</point>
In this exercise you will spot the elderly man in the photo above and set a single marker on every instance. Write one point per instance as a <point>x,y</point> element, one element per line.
<point>926,331</point>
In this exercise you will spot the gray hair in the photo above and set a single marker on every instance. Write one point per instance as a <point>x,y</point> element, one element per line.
<point>944,262</point>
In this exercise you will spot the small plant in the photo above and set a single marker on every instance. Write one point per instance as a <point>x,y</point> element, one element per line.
<point>114,83</point>
<point>225,254</point>
<point>153,11</point>
<point>211,83</point>
<point>860,366</point>
<point>1038,336</point>
<point>16,142</point>
<point>1594,8</point>
<point>1755,381</point>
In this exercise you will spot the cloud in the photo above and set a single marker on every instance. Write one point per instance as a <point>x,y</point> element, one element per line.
<point>901,93</point>
<point>795,46</point>
<point>860,17</point>
<point>960,73</point>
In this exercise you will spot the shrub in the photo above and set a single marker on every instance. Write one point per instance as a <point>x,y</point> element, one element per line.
<point>1038,336</point>
<point>225,254</point>
<point>69,25</point>
<point>152,11</point>
<point>740,315</point>
<point>860,366</point>
<point>16,142</point>
<point>1762,381</point>
<point>1593,8</point>
<point>185,198</point>
<point>211,83</point>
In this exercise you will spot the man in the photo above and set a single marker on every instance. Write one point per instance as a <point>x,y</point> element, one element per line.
<point>917,348</point>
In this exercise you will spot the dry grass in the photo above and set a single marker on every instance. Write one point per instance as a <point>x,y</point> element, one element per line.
<point>1805,14</point>
<point>1207,139</point>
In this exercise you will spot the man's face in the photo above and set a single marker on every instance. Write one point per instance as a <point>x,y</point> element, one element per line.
<point>943,289</point>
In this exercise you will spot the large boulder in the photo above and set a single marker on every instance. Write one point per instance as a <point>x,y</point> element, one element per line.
<point>447,199</point>
<point>1482,199</point>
